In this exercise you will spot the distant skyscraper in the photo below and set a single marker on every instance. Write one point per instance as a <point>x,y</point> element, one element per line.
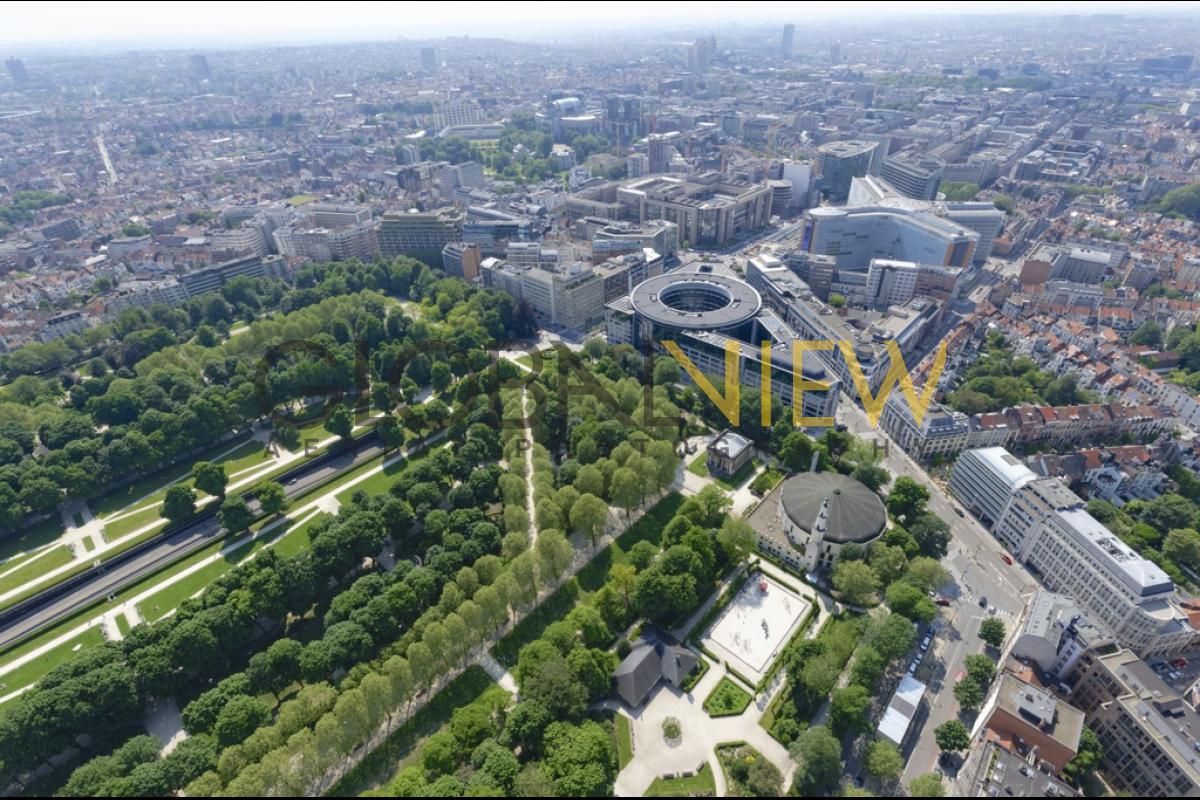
<point>16,68</point>
<point>789,33</point>
<point>835,53</point>
<point>429,59</point>
<point>200,68</point>
<point>700,56</point>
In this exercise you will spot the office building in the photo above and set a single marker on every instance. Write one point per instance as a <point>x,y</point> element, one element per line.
<point>918,177</point>
<point>17,71</point>
<point>1148,732</point>
<point>854,235</point>
<point>839,162</point>
<point>429,59</point>
<point>700,56</point>
<point>661,148</point>
<point>418,234</point>
<point>710,209</point>
<point>1080,265</point>
<point>461,260</point>
<point>985,479</point>
<point>705,308</point>
<point>1055,635</point>
<point>211,279</point>
<point>571,297</point>
<point>200,69</point>
<point>785,44</point>
<point>1047,527</point>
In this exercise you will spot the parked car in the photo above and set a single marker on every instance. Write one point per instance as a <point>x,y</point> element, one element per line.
<point>958,510</point>
<point>991,609</point>
<point>942,600</point>
<point>983,603</point>
<point>1006,558</point>
<point>1179,663</point>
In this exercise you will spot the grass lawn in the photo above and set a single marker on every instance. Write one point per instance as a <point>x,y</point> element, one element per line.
<point>296,540</point>
<point>34,536</point>
<point>699,466</point>
<point>727,699</point>
<point>159,604</point>
<point>699,785</point>
<point>624,740</point>
<point>472,686</point>
<point>35,568</point>
<point>127,525</point>
<point>35,669</point>
<point>251,454</point>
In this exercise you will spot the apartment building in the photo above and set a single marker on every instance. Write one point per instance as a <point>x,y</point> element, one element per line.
<point>1148,732</point>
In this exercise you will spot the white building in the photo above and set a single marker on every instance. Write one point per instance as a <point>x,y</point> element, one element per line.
<point>984,480</point>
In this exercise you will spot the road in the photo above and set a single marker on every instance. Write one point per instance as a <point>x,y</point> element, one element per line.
<point>977,570</point>
<point>71,595</point>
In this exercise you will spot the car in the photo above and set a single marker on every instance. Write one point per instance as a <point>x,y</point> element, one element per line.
<point>1006,558</point>
<point>1179,663</point>
<point>983,603</point>
<point>959,511</point>
<point>942,600</point>
<point>991,609</point>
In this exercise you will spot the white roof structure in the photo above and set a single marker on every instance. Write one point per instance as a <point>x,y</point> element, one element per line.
<point>900,712</point>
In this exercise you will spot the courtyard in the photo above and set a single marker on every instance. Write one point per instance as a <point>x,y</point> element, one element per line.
<point>752,630</point>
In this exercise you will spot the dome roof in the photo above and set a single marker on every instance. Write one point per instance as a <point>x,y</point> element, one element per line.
<point>855,512</point>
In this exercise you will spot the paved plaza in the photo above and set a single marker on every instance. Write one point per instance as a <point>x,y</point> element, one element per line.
<point>753,629</point>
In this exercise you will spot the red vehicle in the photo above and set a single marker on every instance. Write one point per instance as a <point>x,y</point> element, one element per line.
<point>942,600</point>
<point>1179,663</point>
<point>1006,558</point>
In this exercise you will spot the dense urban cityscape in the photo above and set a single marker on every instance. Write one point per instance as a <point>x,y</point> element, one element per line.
<point>800,399</point>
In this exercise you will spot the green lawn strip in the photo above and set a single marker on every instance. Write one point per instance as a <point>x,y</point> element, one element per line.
<point>587,580</point>
<point>699,465</point>
<point>727,699</point>
<point>376,484</point>
<point>89,544</point>
<point>131,496</point>
<point>624,736</point>
<point>31,538</point>
<point>473,685</point>
<point>159,604</point>
<point>29,572</point>
<point>122,623</point>
<point>701,784</point>
<point>127,525</point>
<point>296,539</point>
<point>251,454</point>
<point>35,669</point>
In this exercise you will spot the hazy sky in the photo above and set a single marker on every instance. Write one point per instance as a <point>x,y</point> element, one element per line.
<point>147,25</point>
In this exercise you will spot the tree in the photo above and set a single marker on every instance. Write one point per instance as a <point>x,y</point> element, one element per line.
<point>884,761</point>
<point>235,516</point>
<point>240,717</point>
<point>888,561</point>
<point>818,757</point>
<point>340,422</point>
<point>909,601</point>
<point>980,668</point>
<point>271,498</point>
<point>763,779</point>
<point>848,710</point>
<point>871,476</point>
<point>926,573</point>
<point>1148,333</point>
<point>626,489</point>
<point>1088,758</point>
<point>671,728</point>
<point>275,668</point>
<point>209,478</point>
<point>1182,545</point>
<point>588,516</point>
<point>968,693</point>
<point>179,503</point>
<point>892,637</point>
<point>932,535</point>
<point>856,582</point>
<point>737,539</point>
<point>580,759</point>
<point>992,631</point>
<point>796,451</point>
<point>907,499</point>
<point>952,736</point>
<point>927,785</point>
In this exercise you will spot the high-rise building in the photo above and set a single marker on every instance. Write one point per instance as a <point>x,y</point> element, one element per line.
<point>16,69</point>
<point>420,234</point>
<point>429,59</point>
<point>839,162</point>
<point>915,177</point>
<point>200,69</point>
<point>461,260</point>
<point>700,56</point>
<point>660,148</point>
<point>984,480</point>
<point>785,46</point>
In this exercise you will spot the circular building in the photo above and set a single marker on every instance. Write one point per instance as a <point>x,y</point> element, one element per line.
<point>821,512</point>
<point>695,302</point>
